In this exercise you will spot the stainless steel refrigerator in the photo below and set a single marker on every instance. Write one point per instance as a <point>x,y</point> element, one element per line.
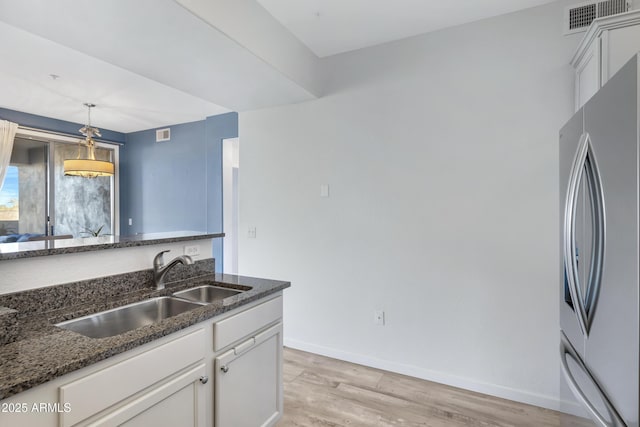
<point>599,149</point>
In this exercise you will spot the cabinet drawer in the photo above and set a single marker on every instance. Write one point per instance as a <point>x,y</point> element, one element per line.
<point>98,391</point>
<point>234,328</point>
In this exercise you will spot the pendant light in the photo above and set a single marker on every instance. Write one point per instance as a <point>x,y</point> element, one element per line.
<point>88,167</point>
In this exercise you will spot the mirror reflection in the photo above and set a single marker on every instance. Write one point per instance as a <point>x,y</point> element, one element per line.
<point>38,202</point>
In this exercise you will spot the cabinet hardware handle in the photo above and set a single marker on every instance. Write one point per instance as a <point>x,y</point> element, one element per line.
<point>204,379</point>
<point>224,368</point>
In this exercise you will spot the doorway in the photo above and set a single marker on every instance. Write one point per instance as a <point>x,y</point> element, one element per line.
<point>230,206</point>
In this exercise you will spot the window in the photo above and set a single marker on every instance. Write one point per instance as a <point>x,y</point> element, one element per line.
<point>10,202</point>
<point>38,199</point>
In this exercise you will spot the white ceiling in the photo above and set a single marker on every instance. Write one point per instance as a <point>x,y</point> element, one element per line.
<point>125,101</point>
<point>152,63</point>
<point>329,27</point>
<point>144,63</point>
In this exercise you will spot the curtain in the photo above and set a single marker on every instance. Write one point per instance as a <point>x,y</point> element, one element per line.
<point>7,134</point>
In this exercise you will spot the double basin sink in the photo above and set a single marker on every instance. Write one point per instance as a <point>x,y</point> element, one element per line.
<point>131,316</point>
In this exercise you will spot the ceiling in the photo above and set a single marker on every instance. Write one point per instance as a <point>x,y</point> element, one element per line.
<point>126,101</point>
<point>329,27</point>
<point>152,63</point>
<point>144,63</point>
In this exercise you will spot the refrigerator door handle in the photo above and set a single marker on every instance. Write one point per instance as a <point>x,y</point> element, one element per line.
<point>584,158</point>
<point>569,240</point>
<point>567,350</point>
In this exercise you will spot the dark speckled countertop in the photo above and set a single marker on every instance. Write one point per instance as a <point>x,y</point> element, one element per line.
<point>42,352</point>
<point>22,250</point>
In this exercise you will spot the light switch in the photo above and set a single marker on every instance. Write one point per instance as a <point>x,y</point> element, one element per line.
<point>130,221</point>
<point>324,190</point>
<point>252,233</point>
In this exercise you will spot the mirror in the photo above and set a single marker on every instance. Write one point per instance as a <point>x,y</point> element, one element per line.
<point>39,202</point>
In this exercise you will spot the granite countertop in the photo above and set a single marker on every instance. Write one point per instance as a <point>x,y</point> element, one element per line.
<point>19,250</point>
<point>43,352</point>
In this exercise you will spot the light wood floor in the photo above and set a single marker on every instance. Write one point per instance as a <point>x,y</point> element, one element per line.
<point>319,391</point>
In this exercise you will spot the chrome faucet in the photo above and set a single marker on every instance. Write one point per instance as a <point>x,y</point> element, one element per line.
<point>160,269</point>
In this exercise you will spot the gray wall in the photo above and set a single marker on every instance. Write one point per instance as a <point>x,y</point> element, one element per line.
<point>441,153</point>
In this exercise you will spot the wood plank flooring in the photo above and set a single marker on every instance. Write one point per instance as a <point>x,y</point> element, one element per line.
<point>319,391</point>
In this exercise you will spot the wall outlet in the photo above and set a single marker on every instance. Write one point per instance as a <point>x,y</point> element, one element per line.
<point>378,317</point>
<point>251,233</point>
<point>193,250</point>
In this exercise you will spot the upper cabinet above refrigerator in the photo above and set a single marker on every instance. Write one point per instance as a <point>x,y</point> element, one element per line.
<point>606,46</point>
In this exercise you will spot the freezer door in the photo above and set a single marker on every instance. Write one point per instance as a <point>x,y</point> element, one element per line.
<point>587,391</point>
<point>572,413</point>
<point>611,348</point>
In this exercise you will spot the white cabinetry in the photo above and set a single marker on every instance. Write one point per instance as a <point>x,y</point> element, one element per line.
<point>171,381</point>
<point>141,384</point>
<point>178,401</point>
<point>607,45</point>
<point>248,382</point>
<point>248,390</point>
<point>158,381</point>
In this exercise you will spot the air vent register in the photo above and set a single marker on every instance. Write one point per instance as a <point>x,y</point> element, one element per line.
<point>579,16</point>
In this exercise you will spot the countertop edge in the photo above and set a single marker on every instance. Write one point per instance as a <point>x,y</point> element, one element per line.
<point>46,248</point>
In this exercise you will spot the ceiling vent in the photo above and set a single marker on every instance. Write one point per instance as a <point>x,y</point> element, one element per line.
<point>579,16</point>
<point>163,135</point>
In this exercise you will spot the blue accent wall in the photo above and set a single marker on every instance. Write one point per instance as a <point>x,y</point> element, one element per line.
<point>176,185</point>
<point>55,125</point>
<point>164,186</point>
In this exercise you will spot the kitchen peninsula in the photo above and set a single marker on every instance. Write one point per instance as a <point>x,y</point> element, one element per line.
<point>30,265</point>
<point>190,368</point>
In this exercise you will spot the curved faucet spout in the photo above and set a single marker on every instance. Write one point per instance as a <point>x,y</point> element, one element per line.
<point>160,269</point>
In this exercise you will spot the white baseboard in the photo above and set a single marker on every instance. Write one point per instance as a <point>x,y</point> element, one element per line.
<point>522,396</point>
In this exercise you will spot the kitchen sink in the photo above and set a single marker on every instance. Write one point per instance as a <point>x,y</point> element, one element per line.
<point>207,293</point>
<point>126,318</point>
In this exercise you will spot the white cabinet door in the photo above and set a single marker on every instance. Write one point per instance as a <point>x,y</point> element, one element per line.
<point>112,386</point>
<point>588,75</point>
<point>179,401</point>
<point>248,388</point>
<point>618,46</point>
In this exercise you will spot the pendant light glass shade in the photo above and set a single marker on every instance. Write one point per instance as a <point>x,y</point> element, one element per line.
<point>88,167</point>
